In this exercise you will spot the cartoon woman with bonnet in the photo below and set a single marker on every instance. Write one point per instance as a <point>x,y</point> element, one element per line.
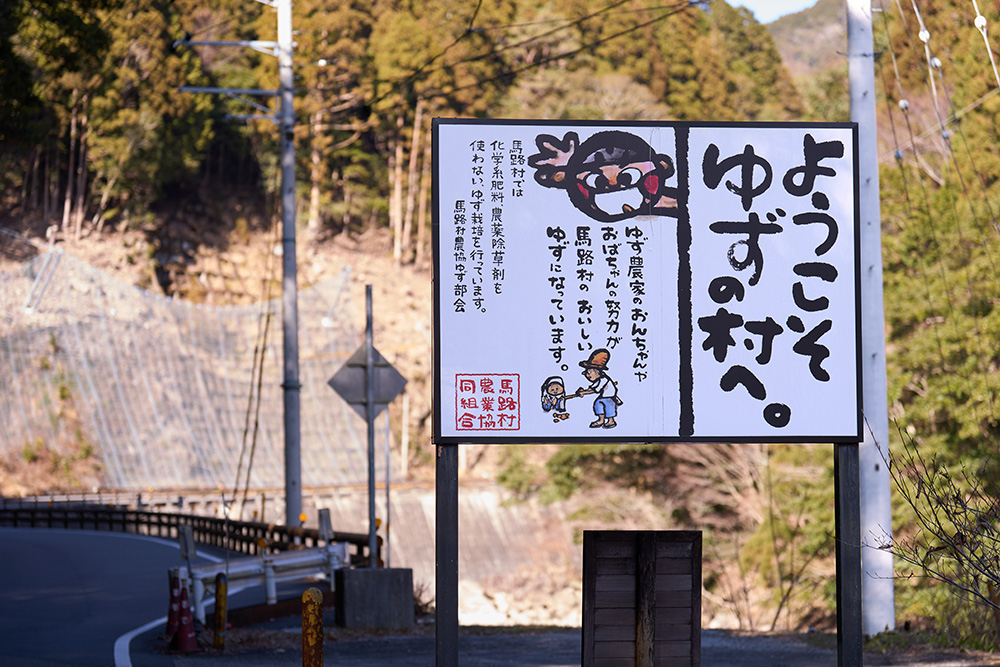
<point>554,398</point>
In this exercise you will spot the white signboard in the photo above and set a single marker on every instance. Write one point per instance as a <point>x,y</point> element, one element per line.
<point>646,282</point>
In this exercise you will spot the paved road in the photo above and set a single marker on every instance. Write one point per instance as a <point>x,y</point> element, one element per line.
<point>550,649</point>
<point>67,595</point>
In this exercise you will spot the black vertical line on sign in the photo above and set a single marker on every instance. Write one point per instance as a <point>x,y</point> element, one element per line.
<point>684,307</point>
<point>645,598</point>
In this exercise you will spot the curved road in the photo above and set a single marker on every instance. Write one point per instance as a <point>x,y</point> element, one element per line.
<point>66,596</point>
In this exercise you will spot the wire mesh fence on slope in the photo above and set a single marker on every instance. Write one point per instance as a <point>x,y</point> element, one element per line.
<point>160,388</point>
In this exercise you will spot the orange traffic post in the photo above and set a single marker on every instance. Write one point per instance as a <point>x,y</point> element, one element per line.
<point>312,628</point>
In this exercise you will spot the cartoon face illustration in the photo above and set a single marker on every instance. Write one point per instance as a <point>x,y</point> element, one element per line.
<point>554,387</point>
<point>611,176</point>
<point>554,398</point>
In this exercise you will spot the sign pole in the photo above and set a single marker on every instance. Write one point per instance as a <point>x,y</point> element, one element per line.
<point>847,493</point>
<point>368,382</point>
<point>446,557</point>
<point>370,418</point>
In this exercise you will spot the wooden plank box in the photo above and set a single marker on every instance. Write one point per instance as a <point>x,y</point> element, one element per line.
<point>641,598</point>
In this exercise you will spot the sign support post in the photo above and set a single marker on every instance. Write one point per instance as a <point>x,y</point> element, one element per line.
<point>369,383</point>
<point>446,557</point>
<point>847,493</point>
<point>370,418</point>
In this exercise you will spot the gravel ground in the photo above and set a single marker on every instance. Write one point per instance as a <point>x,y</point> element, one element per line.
<point>485,647</point>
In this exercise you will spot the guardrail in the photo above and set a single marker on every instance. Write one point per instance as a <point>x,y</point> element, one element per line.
<point>248,537</point>
<point>193,501</point>
<point>266,570</point>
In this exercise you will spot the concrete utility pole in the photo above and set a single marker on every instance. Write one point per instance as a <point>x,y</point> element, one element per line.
<point>285,120</point>
<point>878,610</point>
<point>289,286</point>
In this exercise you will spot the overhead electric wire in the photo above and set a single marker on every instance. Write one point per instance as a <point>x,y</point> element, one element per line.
<point>927,214</point>
<point>964,246</point>
<point>568,54</point>
<point>980,23</point>
<point>257,370</point>
<point>673,9</point>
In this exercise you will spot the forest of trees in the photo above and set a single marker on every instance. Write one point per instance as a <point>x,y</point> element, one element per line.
<point>95,134</point>
<point>96,130</point>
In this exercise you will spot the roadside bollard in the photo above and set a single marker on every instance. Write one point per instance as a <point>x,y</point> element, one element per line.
<point>270,585</point>
<point>221,599</point>
<point>312,628</point>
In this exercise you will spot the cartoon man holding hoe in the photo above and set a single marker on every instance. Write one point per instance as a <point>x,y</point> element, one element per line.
<point>606,404</point>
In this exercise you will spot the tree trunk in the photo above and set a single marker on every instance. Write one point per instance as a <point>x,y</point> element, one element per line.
<point>70,169</point>
<point>396,201</point>
<point>36,188</point>
<point>347,207</point>
<point>411,180</point>
<point>51,184</point>
<point>80,204</point>
<point>315,174</point>
<point>98,221</point>
<point>422,210</point>
<point>46,187</point>
<point>30,180</point>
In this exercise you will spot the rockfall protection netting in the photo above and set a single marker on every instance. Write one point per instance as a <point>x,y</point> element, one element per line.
<point>159,388</point>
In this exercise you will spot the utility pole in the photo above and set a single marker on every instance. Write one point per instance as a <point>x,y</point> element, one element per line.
<point>289,286</point>
<point>285,121</point>
<point>878,606</point>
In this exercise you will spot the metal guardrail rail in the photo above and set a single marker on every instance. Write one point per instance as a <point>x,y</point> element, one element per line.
<point>264,571</point>
<point>248,537</point>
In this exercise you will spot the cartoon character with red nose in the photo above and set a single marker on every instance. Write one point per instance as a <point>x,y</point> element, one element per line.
<point>611,176</point>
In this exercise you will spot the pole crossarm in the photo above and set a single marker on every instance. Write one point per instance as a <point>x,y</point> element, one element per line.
<point>238,95</point>
<point>252,116</point>
<point>261,45</point>
<point>228,91</point>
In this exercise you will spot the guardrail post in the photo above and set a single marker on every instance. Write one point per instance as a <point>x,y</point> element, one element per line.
<point>221,602</point>
<point>312,628</point>
<point>270,586</point>
<point>198,598</point>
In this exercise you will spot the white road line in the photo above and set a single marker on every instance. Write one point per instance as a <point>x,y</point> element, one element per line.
<point>122,657</point>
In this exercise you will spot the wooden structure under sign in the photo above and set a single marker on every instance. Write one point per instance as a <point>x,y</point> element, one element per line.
<point>642,598</point>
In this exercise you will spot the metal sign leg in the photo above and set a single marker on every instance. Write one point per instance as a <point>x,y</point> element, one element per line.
<point>446,557</point>
<point>846,472</point>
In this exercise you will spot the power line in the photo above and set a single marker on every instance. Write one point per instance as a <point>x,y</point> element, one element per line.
<point>569,54</point>
<point>492,53</point>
